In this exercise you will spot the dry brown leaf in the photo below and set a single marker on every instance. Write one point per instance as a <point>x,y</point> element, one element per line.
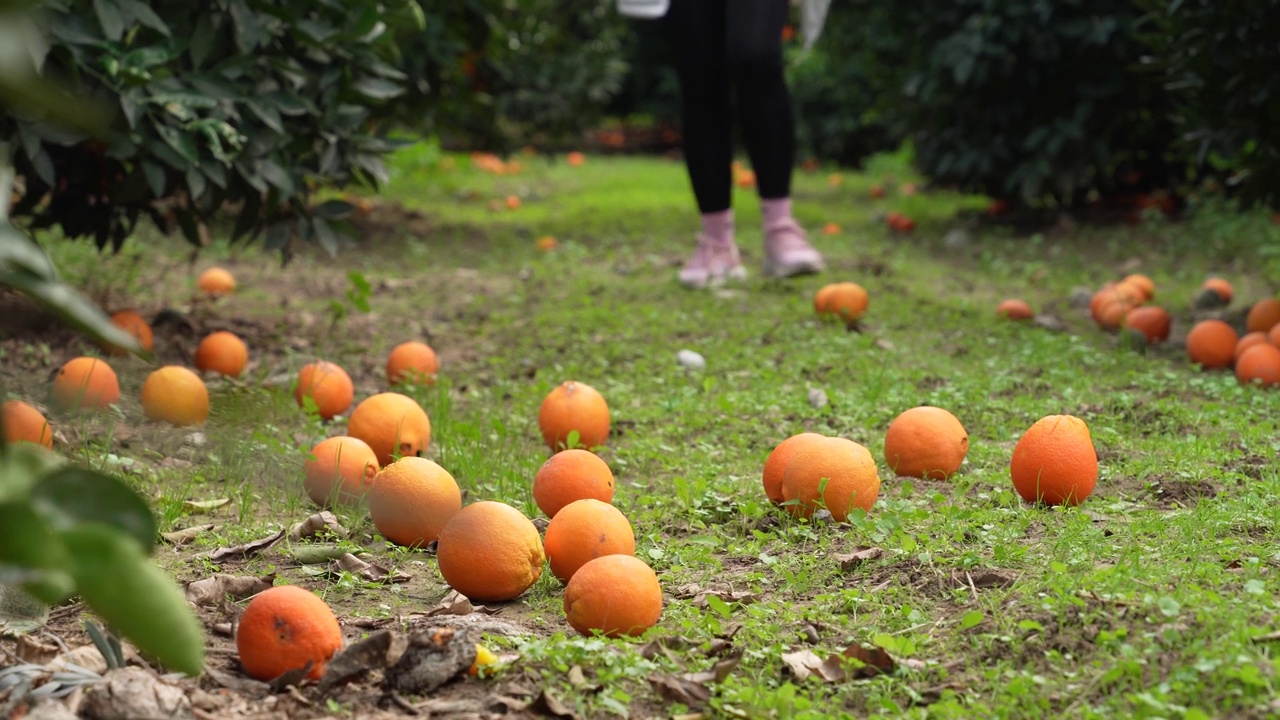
<point>370,572</point>
<point>432,657</point>
<point>857,662</point>
<point>676,689</point>
<point>546,704</point>
<point>861,554</point>
<point>371,653</point>
<point>204,506</point>
<point>316,524</point>
<point>213,590</point>
<point>455,603</point>
<point>802,663</point>
<point>738,596</point>
<point>578,680</point>
<point>247,550</point>
<point>181,537</point>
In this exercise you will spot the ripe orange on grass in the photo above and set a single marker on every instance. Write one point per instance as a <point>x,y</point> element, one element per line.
<point>1264,315</point>
<point>745,178</point>
<point>822,299</point>
<point>1219,286</point>
<point>614,595</point>
<point>831,229</point>
<point>339,469</point>
<point>835,179</point>
<point>175,395</point>
<point>1212,344</point>
<point>837,472</point>
<point>490,552</point>
<point>1152,321</point>
<point>574,406</point>
<point>1054,461</point>
<point>547,243</point>
<point>1273,335</point>
<point>412,499</point>
<point>925,442</point>
<point>512,202</point>
<point>85,383</point>
<point>583,531</point>
<point>775,466</point>
<point>328,385</point>
<point>1014,309</point>
<point>571,475</point>
<point>217,282</point>
<point>392,424</point>
<point>134,324</point>
<point>222,352</point>
<point>412,361</point>
<point>575,158</point>
<point>907,189</point>
<point>1247,341</point>
<point>1143,284</point>
<point>1259,364</point>
<point>23,423</point>
<point>284,628</point>
<point>849,300</point>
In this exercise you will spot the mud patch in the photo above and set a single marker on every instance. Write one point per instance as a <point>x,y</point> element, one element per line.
<point>1167,492</point>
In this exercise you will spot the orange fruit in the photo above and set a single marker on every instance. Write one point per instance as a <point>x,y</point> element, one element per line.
<point>837,472</point>
<point>584,530</point>
<point>1145,285</point>
<point>571,475</point>
<point>907,189</point>
<point>745,178</point>
<point>23,423</point>
<point>831,229</point>
<point>392,424</point>
<point>513,202</point>
<point>835,179</point>
<point>85,383</point>
<point>132,323</point>
<point>925,442</point>
<point>848,300</point>
<point>574,407</point>
<point>412,361</point>
<point>1259,364</point>
<point>284,628</point>
<point>1219,286</point>
<point>217,281</point>
<point>1273,335</point>
<point>339,469</point>
<point>1247,341</point>
<point>328,386</point>
<point>614,595</point>
<point>222,352</point>
<point>1054,461</point>
<point>822,299</point>
<point>490,552</point>
<point>412,499</point>
<point>575,158</point>
<point>876,191</point>
<point>1263,315</point>
<point>175,395</point>
<point>1212,344</point>
<point>1104,293</point>
<point>547,243</point>
<point>775,466</point>
<point>1152,321</point>
<point>1112,311</point>
<point>1013,309</point>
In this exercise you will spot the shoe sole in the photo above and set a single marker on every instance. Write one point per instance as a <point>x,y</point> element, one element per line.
<point>738,273</point>
<point>785,271</point>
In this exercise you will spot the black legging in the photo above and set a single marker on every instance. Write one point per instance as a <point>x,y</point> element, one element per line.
<point>718,44</point>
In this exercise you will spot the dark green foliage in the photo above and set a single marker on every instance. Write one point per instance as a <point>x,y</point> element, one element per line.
<point>500,75</point>
<point>1219,60</point>
<point>240,102</point>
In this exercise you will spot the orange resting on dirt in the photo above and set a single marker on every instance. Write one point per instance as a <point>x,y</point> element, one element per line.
<point>1264,315</point>
<point>1152,321</point>
<point>175,395</point>
<point>1014,309</point>
<point>847,300</point>
<point>838,473</point>
<point>575,158</point>
<point>583,531</point>
<point>412,361</point>
<point>775,466</point>
<point>1221,287</point>
<point>574,406</point>
<point>1054,462</point>
<point>547,243</point>
<point>1259,365</point>
<point>925,441</point>
<point>339,469</point>
<point>392,424</point>
<point>571,475</point>
<point>328,386</point>
<point>222,352</point>
<point>85,383</point>
<point>284,628</point>
<point>1247,341</point>
<point>1212,344</point>
<point>412,499</point>
<point>134,324</point>
<point>614,595</point>
<point>23,423</point>
<point>217,281</point>
<point>1143,284</point>
<point>490,552</point>
<point>1273,335</point>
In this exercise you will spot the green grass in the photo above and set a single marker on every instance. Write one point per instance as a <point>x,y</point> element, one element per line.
<point>1146,601</point>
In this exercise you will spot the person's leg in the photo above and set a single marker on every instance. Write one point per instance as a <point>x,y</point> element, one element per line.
<point>696,29</point>
<point>753,43</point>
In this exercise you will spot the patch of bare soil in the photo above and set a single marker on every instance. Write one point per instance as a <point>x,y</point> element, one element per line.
<point>1169,492</point>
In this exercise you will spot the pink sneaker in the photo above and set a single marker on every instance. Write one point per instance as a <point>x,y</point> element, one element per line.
<point>788,253</point>
<point>712,263</point>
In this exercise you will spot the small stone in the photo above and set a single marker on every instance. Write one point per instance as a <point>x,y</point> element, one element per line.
<point>956,239</point>
<point>1081,297</point>
<point>817,397</point>
<point>691,359</point>
<point>196,439</point>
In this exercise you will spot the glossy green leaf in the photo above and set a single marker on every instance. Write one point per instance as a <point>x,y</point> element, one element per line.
<point>28,543</point>
<point>72,497</point>
<point>110,19</point>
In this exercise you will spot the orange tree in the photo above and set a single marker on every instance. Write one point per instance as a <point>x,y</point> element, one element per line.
<point>242,103</point>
